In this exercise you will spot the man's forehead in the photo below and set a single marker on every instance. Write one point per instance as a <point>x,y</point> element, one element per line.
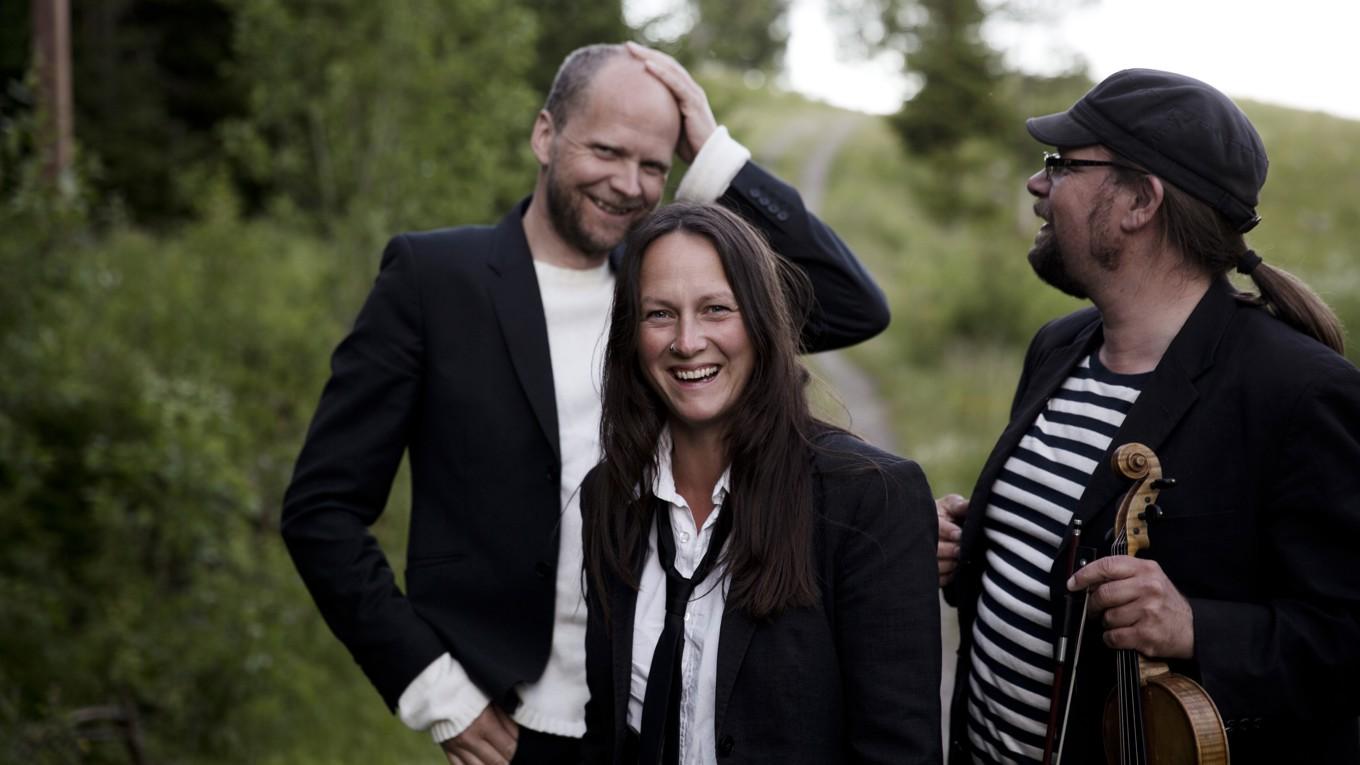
<point>620,65</point>
<point>623,90</point>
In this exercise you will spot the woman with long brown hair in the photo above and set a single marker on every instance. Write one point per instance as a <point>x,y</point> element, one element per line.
<point>761,585</point>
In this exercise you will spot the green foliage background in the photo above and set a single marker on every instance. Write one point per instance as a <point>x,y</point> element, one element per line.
<point>166,319</point>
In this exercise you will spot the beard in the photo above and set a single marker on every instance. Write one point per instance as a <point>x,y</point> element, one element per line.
<point>1046,258</point>
<point>1051,263</point>
<point>567,214</point>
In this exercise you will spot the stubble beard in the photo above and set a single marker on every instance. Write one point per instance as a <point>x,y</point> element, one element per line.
<point>567,214</point>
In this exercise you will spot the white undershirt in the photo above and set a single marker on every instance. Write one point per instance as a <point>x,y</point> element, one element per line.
<point>576,305</point>
<point>703,617</point>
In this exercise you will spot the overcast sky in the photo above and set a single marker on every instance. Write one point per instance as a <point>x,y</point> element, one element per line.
<point>1301,53</point>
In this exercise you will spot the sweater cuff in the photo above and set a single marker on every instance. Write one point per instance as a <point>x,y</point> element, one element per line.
<point>442,699</point>
<point>713,169</point>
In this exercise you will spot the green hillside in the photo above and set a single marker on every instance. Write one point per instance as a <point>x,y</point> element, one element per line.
<point>964,300</point>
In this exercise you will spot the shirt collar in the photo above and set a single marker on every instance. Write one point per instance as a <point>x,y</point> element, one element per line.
<point>663,486</point>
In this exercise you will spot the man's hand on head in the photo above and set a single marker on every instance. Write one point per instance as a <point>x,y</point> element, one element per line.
<point>491,739</point>
<point>696,115</point>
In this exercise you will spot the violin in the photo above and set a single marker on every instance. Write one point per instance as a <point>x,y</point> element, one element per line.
<point>1153,715</point>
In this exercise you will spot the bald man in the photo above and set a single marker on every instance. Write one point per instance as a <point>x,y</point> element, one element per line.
<point>478,352</point>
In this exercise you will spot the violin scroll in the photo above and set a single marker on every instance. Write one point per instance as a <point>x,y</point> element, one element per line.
<point>1134,460</point>
<point>1137,461</point>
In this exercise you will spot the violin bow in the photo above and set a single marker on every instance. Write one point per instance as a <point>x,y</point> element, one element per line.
<point>1058,725</point>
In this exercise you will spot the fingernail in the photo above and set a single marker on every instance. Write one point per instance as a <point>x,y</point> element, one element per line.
<point>1071,583</point>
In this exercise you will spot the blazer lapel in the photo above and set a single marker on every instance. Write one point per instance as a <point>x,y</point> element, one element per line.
<point>519,308</point>
<point>622,612</point>
<point>1169,394</point>
<point>733,640</point>
<point>1163,402</point>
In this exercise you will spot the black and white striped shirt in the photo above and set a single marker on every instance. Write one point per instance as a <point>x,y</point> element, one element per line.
<point>1031,506</point>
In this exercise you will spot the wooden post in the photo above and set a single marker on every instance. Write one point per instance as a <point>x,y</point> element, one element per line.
<point>52,59</point>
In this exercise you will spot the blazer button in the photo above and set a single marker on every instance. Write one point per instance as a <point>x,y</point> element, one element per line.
<point>725,746</point>
<point>543,569</point>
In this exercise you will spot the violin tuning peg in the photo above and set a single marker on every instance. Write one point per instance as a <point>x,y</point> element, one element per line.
<point>1153,513</point>
<point>1164,483</point>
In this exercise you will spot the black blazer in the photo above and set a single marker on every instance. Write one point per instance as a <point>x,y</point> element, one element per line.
<point>449,359</point>
<point>1260,426</point>
<point>855,679</point>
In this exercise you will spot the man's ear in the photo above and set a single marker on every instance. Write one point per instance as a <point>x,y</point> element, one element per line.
<point>1147,196</point>
<point>542,137</point>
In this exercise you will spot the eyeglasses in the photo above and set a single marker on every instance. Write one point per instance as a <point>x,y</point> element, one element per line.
<point>1062,164</point>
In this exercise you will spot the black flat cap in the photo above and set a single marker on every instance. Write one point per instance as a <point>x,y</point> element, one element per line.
<point>1182,130</point>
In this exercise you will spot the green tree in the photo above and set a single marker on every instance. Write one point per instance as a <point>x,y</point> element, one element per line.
<point>744,36</point>
<point>959,76</point>
<point>150,88</point>
<point>749,36</point>
<point>385,115</point>
<point>943,52</point>
<point>568,25</point>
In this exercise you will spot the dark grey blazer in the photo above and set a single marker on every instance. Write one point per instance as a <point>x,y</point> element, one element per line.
<point>449,359</point>
<point>1260,426</point>
<point>855,679</point>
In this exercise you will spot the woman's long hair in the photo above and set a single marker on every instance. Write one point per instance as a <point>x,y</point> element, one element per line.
<point>767,434</point>
<point>1210,243</point>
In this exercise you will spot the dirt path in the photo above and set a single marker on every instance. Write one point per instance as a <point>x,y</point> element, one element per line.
<point>869,416</point>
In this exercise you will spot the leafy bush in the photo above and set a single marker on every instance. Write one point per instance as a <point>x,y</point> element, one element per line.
<point>155,394</point>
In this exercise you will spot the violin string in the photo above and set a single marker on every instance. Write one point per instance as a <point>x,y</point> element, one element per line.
<point>1129,680</point>
<point>1124,717</point>
<point>1130,691</point>
<point>1128,707</point>
<point>1119,684</point>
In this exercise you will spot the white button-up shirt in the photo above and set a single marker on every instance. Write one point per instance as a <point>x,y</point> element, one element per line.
<point>703,617</point>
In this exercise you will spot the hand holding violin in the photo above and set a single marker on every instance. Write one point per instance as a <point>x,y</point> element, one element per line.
<point>1143,611</point>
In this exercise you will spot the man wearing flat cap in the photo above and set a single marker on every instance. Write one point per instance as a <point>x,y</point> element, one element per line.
<point>1249,583</point>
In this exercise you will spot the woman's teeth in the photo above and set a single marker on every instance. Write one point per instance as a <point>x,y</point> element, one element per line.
<point>690,375</point>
